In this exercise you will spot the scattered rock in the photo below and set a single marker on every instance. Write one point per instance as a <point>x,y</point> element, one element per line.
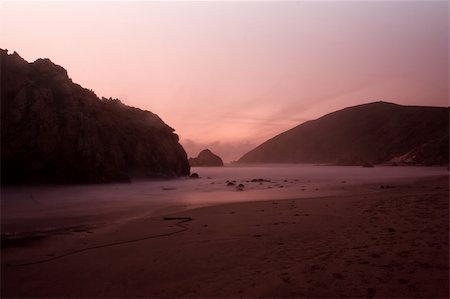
<point>194,176</point>
<point>259,180</point>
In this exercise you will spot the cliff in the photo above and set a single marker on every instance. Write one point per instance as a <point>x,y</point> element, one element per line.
<point>206,158</point>
<point>53,130</point>
<point>376,133</point>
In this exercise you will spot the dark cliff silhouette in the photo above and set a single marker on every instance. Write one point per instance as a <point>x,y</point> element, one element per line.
<point>376,133</point>
<point>53,130</point>
<point>206,158</point>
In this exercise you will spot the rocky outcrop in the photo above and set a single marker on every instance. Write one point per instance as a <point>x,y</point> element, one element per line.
<point>53,130</point>
<point>206,158</point>
<point>374,133</point>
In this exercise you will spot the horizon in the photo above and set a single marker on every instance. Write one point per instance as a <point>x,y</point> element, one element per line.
<point>257,51</point>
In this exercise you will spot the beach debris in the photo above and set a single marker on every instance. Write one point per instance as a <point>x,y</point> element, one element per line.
<point>186,219</point>
<point>194,175</point>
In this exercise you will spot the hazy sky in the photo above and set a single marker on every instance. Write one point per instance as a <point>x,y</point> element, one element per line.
<point>229,75</point>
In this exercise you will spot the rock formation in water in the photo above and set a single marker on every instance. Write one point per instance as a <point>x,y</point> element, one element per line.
<point>372,133</point>
<point>206,158</point>
<point>53,130</point>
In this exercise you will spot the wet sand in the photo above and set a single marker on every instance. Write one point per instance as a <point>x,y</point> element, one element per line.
<point>365,242</point>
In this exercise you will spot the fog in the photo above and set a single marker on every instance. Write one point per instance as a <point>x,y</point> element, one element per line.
<point>44,206</point>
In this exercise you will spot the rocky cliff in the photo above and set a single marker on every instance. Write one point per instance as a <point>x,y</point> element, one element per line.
<point>53,130</point>
<point>206,158</point>
<point>375,133</point>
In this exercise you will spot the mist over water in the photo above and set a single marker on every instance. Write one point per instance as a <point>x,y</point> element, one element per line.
<point>92,203</point>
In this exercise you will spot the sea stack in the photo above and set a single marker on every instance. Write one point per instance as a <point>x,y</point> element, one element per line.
<point>206,158</point>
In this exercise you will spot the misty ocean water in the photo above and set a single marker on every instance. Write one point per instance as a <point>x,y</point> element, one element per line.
<point>157,197</point>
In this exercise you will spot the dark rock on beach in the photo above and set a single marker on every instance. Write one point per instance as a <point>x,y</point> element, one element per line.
<point>194,176</point>
<point>55,131</point>
<point>367,165</point>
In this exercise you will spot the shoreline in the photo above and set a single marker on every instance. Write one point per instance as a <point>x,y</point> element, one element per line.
<point>125,210</point>
<point>392,242</point>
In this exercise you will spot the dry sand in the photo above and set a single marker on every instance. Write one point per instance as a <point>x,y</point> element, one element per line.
<point>389,242</point>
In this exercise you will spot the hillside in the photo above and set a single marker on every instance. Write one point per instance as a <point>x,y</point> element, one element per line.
<point>377,133</point>
<point>53,130</point>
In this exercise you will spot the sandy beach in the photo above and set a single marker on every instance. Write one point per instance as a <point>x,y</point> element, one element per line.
<point>373,240</point>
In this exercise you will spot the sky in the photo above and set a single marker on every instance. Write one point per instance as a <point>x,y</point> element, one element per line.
<point>229,75</point>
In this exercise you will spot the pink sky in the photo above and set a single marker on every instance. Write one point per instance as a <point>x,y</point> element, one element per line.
<point>230,75</point>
